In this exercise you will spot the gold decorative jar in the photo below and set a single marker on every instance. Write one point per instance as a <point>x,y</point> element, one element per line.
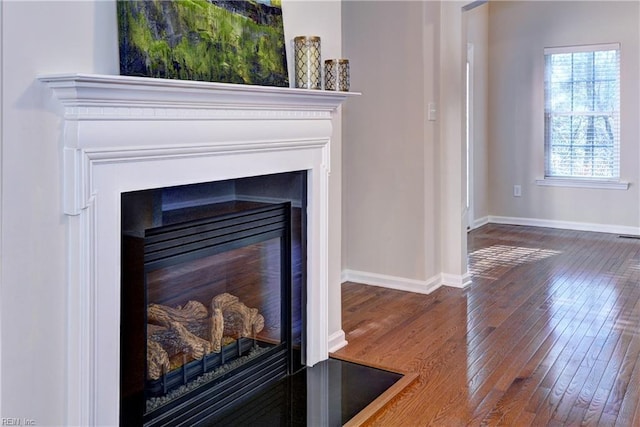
<point>336,74</point>
<point>308,70</point>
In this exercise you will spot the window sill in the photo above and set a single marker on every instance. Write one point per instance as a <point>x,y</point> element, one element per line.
<point>583,183</point>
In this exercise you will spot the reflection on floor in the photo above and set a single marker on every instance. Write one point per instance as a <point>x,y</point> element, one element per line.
<point>327,394</point>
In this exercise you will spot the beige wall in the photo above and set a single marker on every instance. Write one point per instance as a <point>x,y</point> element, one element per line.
<point>386,142</point>
<point>404,217</point>
<point>451,122</point>
<point>518,32</point>
<point>403,176</point>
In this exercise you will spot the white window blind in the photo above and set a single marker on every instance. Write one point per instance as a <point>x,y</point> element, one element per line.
<point>582,112</point>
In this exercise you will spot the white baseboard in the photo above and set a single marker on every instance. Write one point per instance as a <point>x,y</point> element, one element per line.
<point>404,284</point>
<point>477,223</point>
<point>461,281</point>
<point>456,280</point>
<point>337,341</point>
<point>569,225</point>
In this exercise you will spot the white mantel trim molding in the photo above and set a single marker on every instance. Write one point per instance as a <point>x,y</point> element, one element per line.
<point>107,97</point>
<point>129,133</point>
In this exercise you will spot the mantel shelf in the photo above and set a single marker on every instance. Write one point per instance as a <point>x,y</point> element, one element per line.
<point>112,91</point>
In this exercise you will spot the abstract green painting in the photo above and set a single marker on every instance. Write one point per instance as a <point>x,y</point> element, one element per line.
<point>231,41</point>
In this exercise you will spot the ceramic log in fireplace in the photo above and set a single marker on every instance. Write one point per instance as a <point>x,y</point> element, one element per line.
<point>209,302</point>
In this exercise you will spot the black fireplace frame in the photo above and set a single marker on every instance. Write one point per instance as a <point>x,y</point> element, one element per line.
<point>187,234</point>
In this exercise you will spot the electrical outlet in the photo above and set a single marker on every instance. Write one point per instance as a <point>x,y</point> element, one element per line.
<point>517,191</point>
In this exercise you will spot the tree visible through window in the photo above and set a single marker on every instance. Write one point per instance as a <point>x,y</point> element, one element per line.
<point>582,112</point>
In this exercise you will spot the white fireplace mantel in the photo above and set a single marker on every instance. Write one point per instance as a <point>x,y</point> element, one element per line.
<point>152,98</point>
<point>130,133</point>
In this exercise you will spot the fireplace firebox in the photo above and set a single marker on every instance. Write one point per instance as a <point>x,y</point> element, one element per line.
<point>210,298</point>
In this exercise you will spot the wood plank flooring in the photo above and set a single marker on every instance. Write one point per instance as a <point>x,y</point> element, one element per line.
<point>548,334</point>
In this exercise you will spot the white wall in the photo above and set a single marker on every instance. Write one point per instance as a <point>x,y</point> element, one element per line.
<point>75,36</point>
<point>39,37</point>
<point>476,23</point>
<point>518,32</point>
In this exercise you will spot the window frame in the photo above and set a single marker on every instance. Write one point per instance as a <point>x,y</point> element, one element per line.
<point>580,181</point>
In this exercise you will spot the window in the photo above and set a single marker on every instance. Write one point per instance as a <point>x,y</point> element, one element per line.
<point>582,112</point>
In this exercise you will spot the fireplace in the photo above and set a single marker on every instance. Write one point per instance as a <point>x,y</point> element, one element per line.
<point>127,134</point>
<point>212,295</point>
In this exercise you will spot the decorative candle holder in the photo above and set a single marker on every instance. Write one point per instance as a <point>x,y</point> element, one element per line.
<point>307,56</point>
<point>336,74</point>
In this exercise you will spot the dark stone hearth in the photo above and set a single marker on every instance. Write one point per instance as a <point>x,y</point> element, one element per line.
<point>346,388</point>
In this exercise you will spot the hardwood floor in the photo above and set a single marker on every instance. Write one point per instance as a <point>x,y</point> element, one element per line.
<point>547,334</point>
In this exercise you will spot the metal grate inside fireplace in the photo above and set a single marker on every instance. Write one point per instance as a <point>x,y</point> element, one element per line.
<point>208,306</point>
